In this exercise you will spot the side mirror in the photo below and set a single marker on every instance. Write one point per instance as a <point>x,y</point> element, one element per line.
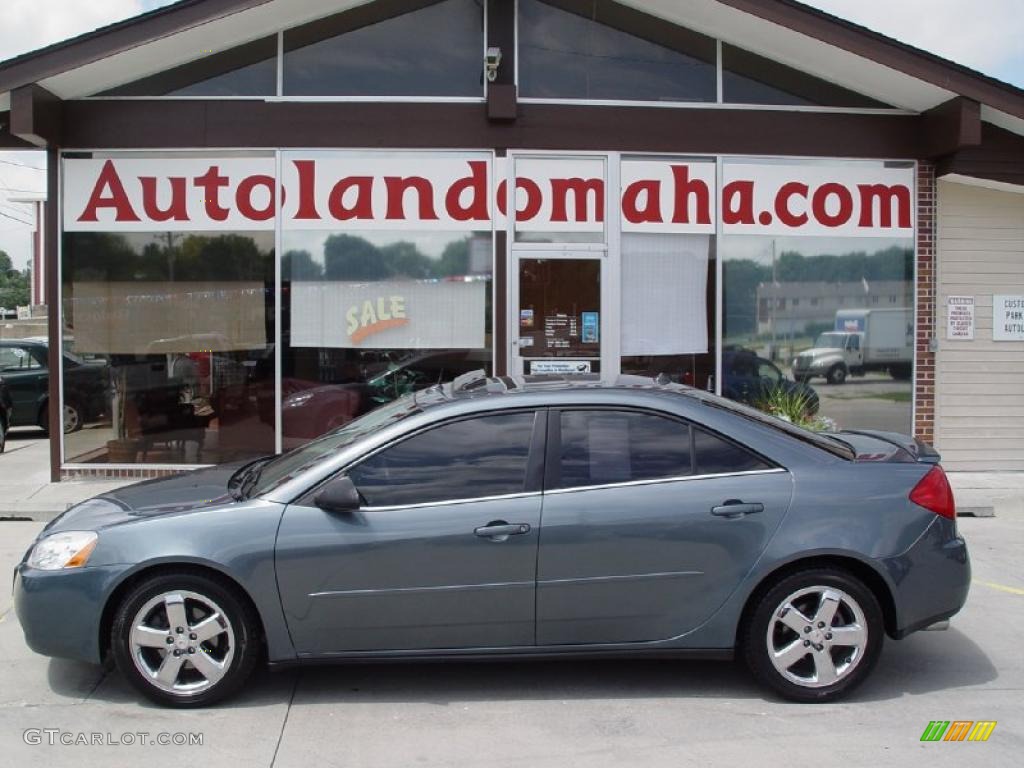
<point>339,495</point>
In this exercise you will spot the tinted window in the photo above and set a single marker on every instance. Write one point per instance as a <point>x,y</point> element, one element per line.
<point>571,54</point>
<point>601,447</point>
<point>465,459</point>
<point>247,70</point>
<point>435,51</point>
<point>751,79</point>
<point>17,359</point>
<point>717,456</point>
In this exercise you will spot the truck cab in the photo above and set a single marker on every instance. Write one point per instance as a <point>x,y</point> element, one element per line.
<point>835,355</point>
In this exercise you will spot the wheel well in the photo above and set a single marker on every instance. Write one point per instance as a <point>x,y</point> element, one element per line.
<point>855,567</point>
<point>122,589</point>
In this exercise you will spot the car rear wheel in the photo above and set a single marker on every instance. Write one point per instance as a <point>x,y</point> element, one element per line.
<point>814,636</point>
<point>185,640</point>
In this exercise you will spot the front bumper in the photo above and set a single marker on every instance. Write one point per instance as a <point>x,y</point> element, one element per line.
<point>931,579</point>
<point>60,611</point>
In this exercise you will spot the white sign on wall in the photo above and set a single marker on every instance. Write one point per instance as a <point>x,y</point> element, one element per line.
<point>445,191</point>
<point>413,314</point>
<point>1008,318</point>
<point>960,318</point>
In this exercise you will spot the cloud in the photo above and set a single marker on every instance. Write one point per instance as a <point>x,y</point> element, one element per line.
<point>26,26</point>
<point>985,35</point>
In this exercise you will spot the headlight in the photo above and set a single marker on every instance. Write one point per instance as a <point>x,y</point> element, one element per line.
<point>297,400</point>
<point>63,550</point>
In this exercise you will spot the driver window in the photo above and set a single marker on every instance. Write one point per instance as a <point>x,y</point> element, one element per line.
<point>17,359</point>
<point>854,343</point>
<point>471,458</point>
<point>768,371</point>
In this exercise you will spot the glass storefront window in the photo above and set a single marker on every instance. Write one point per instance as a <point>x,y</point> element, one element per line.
<point>751,79</point>
<point>370,316</point>
<point>571,49</point>
<point>802,315</point>
<point>246,70</point>
<point>175,329</point>
<point>346,55</point>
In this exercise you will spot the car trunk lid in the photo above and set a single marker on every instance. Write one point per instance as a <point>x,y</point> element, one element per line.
<point>879,445</point>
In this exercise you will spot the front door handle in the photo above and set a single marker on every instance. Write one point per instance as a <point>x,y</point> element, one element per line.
<point>734,508</point>
<point>499,530</point>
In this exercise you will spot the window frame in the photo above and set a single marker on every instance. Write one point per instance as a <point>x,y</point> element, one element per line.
<point>534,462</point>
<point>552,459</point>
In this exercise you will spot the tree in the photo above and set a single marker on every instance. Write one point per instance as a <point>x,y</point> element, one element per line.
<point>14,284</point>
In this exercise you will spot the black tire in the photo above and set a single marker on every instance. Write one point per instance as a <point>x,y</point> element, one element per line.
<point>900,372</point>
<point>3,436</point>
<point>241,620</point>
<point>766,613</point>
<point>836,374</point>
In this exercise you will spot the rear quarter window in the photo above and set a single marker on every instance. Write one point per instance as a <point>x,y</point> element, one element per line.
<point>717,456</point>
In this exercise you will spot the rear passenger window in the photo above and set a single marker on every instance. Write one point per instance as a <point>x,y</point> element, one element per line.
<point>716,456</point>
<point>604,447</point>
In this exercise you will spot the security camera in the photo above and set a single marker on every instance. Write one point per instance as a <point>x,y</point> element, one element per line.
<point>492,59</point>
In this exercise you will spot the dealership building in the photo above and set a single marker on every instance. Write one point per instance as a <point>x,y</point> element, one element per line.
<point>266,217</point>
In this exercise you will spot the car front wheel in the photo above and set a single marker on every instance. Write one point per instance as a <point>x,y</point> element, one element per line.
<point>185,640</point>
<point>814,636</point>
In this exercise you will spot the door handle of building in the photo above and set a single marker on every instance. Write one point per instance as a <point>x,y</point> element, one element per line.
<point>734,508</point>
<point>499,530</point>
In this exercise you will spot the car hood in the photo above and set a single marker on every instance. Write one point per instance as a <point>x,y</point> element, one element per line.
<point>166,495</point>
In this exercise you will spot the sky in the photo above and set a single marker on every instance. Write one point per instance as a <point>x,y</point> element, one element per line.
<point>987,35</point>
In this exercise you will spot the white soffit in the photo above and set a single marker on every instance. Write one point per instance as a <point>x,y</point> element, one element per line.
<point>1002,120</point>
<point>799,51</point>
<point>190,44</point>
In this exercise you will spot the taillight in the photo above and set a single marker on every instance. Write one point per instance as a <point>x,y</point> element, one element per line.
<point>933,493</point>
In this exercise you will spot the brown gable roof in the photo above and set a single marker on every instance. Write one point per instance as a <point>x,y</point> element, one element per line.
<point>78,51</point>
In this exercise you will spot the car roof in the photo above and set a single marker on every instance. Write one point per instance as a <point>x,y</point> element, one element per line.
<point>477,384</point>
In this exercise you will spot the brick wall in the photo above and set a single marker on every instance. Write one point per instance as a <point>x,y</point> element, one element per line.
<point>924,376</point>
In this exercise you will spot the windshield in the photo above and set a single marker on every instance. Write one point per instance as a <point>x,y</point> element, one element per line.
<point>830,341</point>
<point>287,465</point>
<point>830,443</point>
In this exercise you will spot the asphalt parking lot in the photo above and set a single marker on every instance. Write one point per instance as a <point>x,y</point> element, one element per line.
<point>594,713</point>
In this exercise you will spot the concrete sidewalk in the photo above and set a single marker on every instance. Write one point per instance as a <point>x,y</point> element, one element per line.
<point>26,490</point>
<point>25,487</point>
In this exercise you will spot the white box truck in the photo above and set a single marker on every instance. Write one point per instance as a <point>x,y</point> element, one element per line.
<point>863,340</point>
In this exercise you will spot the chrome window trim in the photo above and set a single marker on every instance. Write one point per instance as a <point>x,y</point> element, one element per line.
<point>662,480</point>
<point>448,502</point>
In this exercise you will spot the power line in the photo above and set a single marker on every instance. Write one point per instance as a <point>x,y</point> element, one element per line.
<point>15,218</point>
<point>21,165</point>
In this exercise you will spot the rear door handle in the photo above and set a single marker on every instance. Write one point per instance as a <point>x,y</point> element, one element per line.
<point>499,530</point>
<point>735,508</point>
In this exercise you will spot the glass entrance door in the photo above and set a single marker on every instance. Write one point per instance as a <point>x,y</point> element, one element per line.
<point>558,314</point>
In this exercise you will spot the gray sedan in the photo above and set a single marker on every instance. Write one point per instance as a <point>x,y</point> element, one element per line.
<point>512,518</point>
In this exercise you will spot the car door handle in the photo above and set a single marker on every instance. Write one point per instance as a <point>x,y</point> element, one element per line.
<point>734,508</point>
<point>499,530</point>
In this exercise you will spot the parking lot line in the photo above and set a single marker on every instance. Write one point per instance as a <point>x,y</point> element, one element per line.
<point>1000,587</point>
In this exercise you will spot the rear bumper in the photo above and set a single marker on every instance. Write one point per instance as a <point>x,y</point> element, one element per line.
<point>931,579</point>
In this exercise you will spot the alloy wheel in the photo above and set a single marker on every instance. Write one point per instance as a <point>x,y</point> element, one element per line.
<point>817,636</point>
<point>72,419</point>
<point>182,642</point>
